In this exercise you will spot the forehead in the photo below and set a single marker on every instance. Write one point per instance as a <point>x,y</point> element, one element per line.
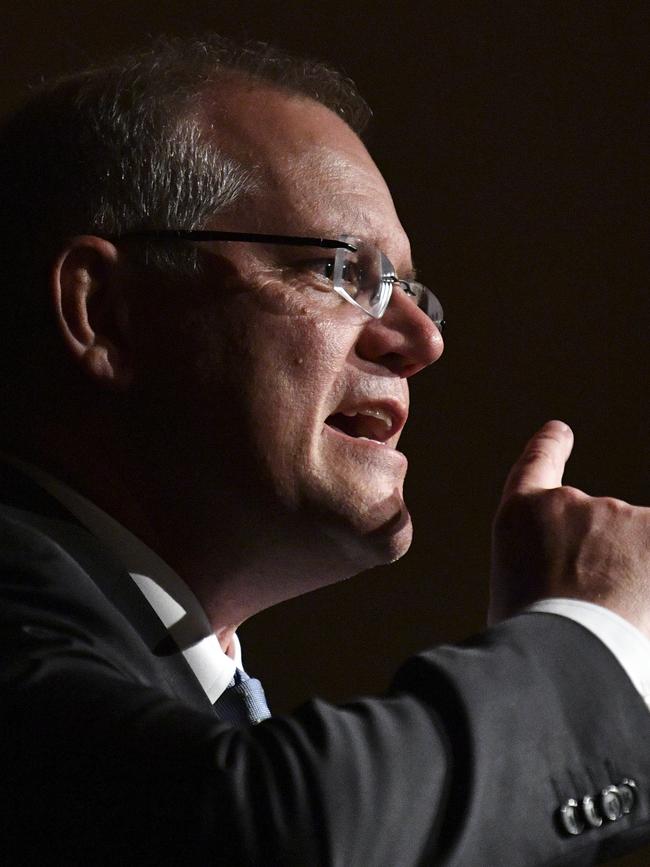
<point>314,175</point>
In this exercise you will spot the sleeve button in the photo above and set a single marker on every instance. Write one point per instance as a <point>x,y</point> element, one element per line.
<point>628,793</point>
<point>611,804</point>
<point>571,818</point>
<point>590,812</point>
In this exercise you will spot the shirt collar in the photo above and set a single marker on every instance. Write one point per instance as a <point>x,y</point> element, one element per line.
<point>169,596</point>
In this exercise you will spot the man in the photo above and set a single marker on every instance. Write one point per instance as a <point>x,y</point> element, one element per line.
<point>213,319</point>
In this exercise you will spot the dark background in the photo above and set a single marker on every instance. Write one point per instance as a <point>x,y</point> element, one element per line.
<point>511,136</point>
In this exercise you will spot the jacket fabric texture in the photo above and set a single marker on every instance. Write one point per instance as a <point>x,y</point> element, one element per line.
<point>112,754</point>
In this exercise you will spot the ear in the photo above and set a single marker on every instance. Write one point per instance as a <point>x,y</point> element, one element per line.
<point>88,290</point>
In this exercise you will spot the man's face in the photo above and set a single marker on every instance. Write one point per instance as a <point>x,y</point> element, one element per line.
<point>294,399</point>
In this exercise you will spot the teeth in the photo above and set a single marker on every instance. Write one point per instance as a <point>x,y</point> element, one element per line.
<point>380,414</point>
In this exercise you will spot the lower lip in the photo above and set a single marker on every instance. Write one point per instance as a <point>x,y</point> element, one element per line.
<point>361,442</point>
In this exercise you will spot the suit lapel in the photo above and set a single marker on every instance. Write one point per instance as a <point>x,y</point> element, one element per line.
<point>165,660</point>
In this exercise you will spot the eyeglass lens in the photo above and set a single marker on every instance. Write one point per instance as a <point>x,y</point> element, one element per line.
<point>367,278</point>
<point>359,276</point>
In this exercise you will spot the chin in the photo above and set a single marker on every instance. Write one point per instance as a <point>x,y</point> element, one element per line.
<point>359,509</point>
<point>376,536</point>
<point>392,539</point>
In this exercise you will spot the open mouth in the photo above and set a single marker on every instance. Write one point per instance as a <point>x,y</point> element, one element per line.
<point>369,423</point>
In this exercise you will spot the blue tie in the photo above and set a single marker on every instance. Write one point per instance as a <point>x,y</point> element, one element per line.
<point>243,701</point>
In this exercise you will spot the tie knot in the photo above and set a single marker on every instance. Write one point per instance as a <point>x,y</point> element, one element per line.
<point>243,701</point>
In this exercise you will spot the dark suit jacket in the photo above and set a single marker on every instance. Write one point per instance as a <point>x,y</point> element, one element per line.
<point>111,753</point>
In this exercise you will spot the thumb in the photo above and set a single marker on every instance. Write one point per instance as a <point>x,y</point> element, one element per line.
<point>542,462</point>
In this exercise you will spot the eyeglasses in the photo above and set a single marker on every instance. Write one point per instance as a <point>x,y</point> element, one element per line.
<point>359,272</point>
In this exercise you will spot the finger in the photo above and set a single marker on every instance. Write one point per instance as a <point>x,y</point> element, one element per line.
<point>542,462</point>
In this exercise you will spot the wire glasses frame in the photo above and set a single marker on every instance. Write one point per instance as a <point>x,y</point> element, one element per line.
<point>360,273</point>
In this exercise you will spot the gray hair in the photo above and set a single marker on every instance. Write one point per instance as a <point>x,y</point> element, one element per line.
<point>120,148</point>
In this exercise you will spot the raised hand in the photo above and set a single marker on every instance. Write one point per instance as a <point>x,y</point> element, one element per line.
<point>554,540</point>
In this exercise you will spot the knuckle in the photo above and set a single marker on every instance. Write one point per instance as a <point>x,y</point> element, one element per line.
<point>571,496</point>
<point>542,507</point>
<point>614,506</point>
<point>611,511</point>
<point>558,500</point>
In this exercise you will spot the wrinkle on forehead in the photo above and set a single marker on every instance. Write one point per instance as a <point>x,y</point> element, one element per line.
<point>335,171</point>
<point>328,181</point>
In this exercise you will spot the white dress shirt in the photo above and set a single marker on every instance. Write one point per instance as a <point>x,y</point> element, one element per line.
<point>173,601</point>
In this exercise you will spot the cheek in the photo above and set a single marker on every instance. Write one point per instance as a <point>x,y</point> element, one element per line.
<point>293,371</point>
<point>297,353</point>
<point>311,358</point>
<point>314,349</point>
<point>270,366</point>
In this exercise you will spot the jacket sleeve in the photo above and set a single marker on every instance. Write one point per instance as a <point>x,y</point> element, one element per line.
<point>464,762</point>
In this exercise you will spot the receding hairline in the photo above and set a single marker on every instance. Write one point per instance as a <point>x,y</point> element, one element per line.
<point>181,68</point>
<point>220,111</point>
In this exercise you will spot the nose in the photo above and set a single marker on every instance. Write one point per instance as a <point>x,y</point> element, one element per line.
<point>404,340</point>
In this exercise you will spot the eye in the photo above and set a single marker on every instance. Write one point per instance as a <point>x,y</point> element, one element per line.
<point>314,273</point>
<point>352,278</point>
<point>306,275</point>
<point>318,273</point>
<point>352,272</point>
<point>314,267</point>
<point>350,275</point>
<point>322,267</point>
